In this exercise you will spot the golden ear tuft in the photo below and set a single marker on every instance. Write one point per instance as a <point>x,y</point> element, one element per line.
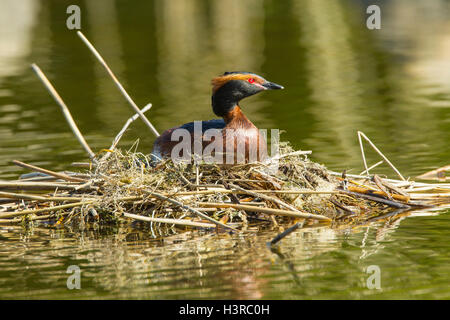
<point>228,76</point>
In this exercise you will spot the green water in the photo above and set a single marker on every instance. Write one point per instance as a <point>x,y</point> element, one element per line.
<point>339,77</point>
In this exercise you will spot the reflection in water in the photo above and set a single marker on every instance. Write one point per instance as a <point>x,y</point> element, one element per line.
<point>311,262</point>
<point>209,266</point>
<point>333,72</point>
<point>17,20</point>
<point>428,56</point>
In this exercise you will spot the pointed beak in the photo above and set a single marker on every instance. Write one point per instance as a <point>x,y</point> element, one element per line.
<point>272,86</point>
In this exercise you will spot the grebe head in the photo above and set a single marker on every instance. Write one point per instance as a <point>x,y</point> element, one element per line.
<point>231,87</point>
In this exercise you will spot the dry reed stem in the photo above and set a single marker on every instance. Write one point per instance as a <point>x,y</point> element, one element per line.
<point>9,221</point>
<point>262,196</point>
<point>182,205</point>
<point>436,174</point>
<point>22,185</point>
<point>85,165</point>
<point>400,183</point>
<point>181,222</point>
<point>418,196</point>
<point>23,196</point>
<point>393,188</point>
<point>363,154</point>
<point>122,131</point>
<point>291,154</point>
<point>35,211</point>
<point>378,199</point>
<point>380,185</point>
<point>245,191</point>
<point>372,167</point>
<point>49,172</point>
<point>280,212</point>
<point>47,216</point>
<point>380,193</point>
<point>64,109</point>
<point>361,134</point>
<point>25,177</point>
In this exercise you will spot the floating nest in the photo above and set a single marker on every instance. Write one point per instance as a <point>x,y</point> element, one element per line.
<point>124,187</point>
<point>287,191</point>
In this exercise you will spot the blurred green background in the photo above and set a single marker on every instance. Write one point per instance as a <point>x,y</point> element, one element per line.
<point>339,77</point>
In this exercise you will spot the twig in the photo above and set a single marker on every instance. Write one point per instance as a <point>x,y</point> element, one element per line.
<point>36,176</point>
<point>220,190</point>
<point>361,184</point>
<point>84,185</point>
<point>419,196</point>
<point>23,196</point>
<point>294,153</point>
<point>357,176</point>
<point>127,124</point>
<point>339,205</point>
<point>20,196</point>
<point>436,174</point>
<point>124,128</point>
<point>121,88</point>
<point>233,197</point>
<point>64,109</point>
<point>262,196</point>
<point>380,185</point>
<point>361,134</point>
<point>9,221</point>
<point>49,172</point>
<point>280,212</point>
<point>363,154</point>
<point>372,167</point>
<point>394,188</point>
<point>377,193</point>
<point>25,185</point>
<point>81,165</point>
<point>378,199</point>
<point>182,205</point>
<point>430,188</point>
<point>285,233</point>
<point>47,216</point>
<point>199,209</point>
<point>181,222</point>
<point>34,211</point>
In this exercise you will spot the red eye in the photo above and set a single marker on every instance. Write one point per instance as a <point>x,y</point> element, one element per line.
<point>251,80</point>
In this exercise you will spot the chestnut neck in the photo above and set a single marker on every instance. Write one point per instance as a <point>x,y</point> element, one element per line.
<point>237,119</point>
